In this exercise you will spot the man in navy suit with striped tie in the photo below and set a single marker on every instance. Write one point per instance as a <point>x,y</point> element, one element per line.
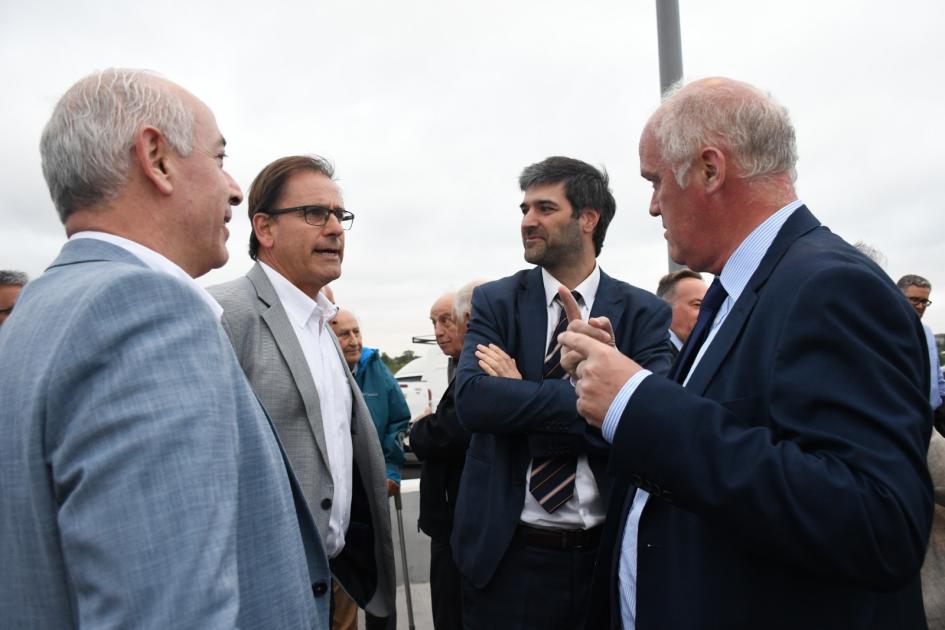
<point>534,490</point>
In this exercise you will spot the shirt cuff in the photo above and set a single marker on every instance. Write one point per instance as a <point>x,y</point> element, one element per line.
<point>612,419</point>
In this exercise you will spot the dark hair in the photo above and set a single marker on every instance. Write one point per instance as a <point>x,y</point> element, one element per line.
<point>270,184</point>
<point>668,282</point>
<point>911,279</point>
<point>584,186</point>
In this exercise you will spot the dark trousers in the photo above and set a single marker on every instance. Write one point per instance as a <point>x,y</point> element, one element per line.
<point>446,588</point>
<point>534,588</point>
<point>379,623</point>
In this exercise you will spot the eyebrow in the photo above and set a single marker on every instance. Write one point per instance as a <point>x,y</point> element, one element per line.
<point>538,202</point>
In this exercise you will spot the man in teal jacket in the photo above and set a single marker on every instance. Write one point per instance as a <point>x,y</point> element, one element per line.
<point>381,392</point>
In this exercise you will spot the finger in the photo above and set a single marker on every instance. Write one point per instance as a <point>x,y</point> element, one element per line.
<point>580,343</point>
<point>499,352</point>
<point>487,368</point>
<point>595,332</point>
<point>603,324</point>
<point>571,308</point>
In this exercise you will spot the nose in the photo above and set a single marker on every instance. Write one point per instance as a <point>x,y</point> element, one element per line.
<point>528,219</point>
<point>236,195</point>
<point>655,206</point>
<point>332,225</point>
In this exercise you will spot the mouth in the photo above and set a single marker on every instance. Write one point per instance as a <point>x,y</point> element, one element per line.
<point>327,252</point>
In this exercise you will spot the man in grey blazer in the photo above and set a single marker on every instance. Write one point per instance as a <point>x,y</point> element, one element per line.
<point>278,323</point>
<point>141,484</point>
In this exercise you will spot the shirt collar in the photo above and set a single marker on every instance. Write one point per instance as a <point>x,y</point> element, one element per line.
<point>587,288</point>
<point>298,306</point>
<point>675,340</point>
<point>155,261</point>
<point>744,261</point>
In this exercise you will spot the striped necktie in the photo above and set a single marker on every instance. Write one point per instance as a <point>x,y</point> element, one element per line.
<point>552,478</point>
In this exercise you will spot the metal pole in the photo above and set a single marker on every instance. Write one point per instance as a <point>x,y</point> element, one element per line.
<point>670,52</point>
<point>398,507</point>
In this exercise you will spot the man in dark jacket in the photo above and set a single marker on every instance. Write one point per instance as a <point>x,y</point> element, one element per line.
<point>440,443</point>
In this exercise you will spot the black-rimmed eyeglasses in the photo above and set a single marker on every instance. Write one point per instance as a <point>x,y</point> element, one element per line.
<point>317,216</point>
<point>920,301</point>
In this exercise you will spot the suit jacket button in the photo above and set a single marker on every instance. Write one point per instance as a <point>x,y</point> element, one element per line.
<point>319,589</point>
<point>326,504</point>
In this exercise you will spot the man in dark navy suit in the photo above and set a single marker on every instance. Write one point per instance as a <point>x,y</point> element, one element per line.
<point>777,477</point>
<point>533,494</point>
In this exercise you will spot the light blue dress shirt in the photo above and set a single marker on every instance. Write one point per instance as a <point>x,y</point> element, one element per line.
<point>735,275</point>
<point>938,381</point>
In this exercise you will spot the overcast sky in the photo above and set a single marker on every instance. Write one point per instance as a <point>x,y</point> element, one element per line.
<point>430,109</point>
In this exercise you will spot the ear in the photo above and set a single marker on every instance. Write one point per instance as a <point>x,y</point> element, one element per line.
<point>713,168</point>
<point>152,153</point>
<point>263,229</point>
<point>589,218</point>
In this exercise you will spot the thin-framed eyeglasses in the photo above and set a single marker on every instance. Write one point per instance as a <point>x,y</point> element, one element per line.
<point>317,216</point>
<point>921,301</point>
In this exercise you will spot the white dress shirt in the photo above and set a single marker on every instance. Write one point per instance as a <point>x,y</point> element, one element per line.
<point>155,261</point>
<point>735,275</point>
<point>586,508</point>
<point>310,320</point>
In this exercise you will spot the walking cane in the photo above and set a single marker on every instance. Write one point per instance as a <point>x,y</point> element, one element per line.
<point>398,505</point>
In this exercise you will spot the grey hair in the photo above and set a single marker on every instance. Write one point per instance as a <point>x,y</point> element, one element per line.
<point>462,300</point>
<point>86,145</point>
<point>871,252</point>
<point>9,278</point>
<point>912,280</point>
<point>756,131</point>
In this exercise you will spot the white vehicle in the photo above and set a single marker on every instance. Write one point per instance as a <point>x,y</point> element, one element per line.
<point>423,380</point>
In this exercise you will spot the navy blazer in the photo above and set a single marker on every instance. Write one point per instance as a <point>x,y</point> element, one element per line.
<point>788,478</point>
<point>512,421</point>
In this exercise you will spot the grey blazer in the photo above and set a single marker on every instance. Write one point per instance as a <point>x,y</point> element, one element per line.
<point>272,359</point>
<point>142,485</point>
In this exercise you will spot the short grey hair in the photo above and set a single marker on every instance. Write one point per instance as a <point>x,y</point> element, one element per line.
<point>462,300</point>
<point>10,278</point>
<point>86,145</point>
<point>912,280</point>
<point>756,131</point>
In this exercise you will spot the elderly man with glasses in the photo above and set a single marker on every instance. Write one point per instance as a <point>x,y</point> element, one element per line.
<point>278,322</point>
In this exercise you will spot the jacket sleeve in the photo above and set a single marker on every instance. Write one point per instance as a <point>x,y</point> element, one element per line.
<point>490,404</point>
<point>825,466</point>
<point>398,416</point>
<point>439,434</point>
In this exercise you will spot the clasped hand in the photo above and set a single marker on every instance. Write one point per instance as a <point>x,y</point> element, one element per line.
<point>589,354</point>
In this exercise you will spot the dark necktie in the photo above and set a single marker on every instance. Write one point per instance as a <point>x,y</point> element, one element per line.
<point>710,306</point>
<point>552,478</point>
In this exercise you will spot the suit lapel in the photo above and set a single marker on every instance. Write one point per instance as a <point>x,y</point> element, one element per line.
<point>288,343</point>
<point>533,323</point>
<point>799,223</point>
<point>607,301</point>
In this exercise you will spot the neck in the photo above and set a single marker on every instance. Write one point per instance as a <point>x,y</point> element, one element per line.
<point>572,275</point>
<point>109,220</point>
<point>311,290</point>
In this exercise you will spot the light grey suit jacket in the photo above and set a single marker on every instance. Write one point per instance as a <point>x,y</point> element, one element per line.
<point>269,351</point>
<point>141,485</point>
<point>933,570</point>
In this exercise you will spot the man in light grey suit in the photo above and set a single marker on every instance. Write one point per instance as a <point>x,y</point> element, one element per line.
<point>278,323</point>
<point>141,484</point>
